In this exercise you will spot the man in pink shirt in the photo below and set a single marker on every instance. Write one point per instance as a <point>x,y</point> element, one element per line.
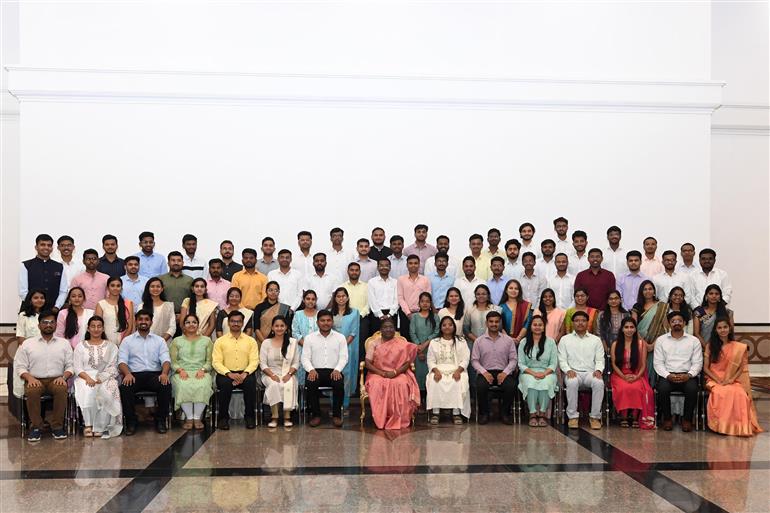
<point>651,264</point>
<point>421,248</point>
<point>216,286</point>
<point>410,286</point>
<point>91,281</point>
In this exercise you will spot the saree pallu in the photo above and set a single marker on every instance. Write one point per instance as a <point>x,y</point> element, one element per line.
<point>515,321</point>
<point>393,400</point>
<point>651,325</point>
<point>731,409</point>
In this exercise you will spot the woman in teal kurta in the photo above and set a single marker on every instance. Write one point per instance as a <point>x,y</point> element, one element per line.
<point>304,323</point>
<point>347,321</point>
<point>191,365</point>
<point>537,371</point>
<point>423,327</point>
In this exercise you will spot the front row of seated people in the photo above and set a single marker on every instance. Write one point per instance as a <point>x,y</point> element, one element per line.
<point>107,378</point>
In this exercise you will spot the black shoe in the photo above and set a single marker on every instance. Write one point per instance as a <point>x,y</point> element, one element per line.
<point>59,434</point>
<point>160,426</point>
<point>130,429</point>
<point>483,419</point>
<point>507,420</point>
<point>251,423</point>
<point>223,424</point>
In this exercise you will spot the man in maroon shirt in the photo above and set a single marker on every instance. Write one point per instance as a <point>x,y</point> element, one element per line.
<point>597,281</point>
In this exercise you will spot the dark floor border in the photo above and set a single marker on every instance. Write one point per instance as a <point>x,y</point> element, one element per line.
<point>646,474</point>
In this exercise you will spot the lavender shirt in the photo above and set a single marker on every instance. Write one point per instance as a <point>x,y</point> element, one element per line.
<point>628,286</point>
<point>494,354</point>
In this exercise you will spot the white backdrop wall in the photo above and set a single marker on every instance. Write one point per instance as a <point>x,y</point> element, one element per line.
<point>317,114</point>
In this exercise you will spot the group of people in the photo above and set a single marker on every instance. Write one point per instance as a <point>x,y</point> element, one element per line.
<point>437,329</point>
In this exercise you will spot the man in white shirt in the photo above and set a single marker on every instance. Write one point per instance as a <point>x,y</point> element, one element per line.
<point>578,260</point>
<point>562,242</point>
<point>337,258</point>
<point>532,282</point>
<point>468,282</point>
<point>453,264</point>
<point>709,275</point>
<point>688,265</point>
<point>303,261</point>
<point>614,255</point>
<point>581,358</point>
<point>367,265</point>
<point>321,282</point>
<point>72,266</point>
<point>397,258</point>
<point>678,360</point>
<point>513,268</point>
<point>651,264</point>
<point>192,265</point>
<point>562,283</point>
<point>545,265</point>
<point>324,356</point>
<point>670,278</point>
<point>383,295</point>
<point>290,280</point>
<point>527,235</point>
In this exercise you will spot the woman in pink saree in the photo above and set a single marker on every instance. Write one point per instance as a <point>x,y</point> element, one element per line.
<point>393,392</point>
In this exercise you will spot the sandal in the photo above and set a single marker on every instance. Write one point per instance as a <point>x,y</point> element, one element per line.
<point>635,424</point>
<point>458,420</point>
<point>542,422</point>
<point>624,423</point>
<point>287,422</point>
<point>533,421</point>
<point>433,420</point>
<point>273,423</point>
<point>88,432</point>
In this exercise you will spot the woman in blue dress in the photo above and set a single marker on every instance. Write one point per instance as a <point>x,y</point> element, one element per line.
<point>346,321</point>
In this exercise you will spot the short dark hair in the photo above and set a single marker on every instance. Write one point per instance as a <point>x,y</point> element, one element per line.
<point>226,241</point>
<point>674,313</point>
<point>320,253</point>
<point>580,313</point>
<point>175,254</point>
<point>304,232</point>
<point>396,238</point>
<point>650,238</point>
<point>249,251</point>
<point>512,242</point>
<point>441,254</point>
<point>90,251</point>
<point>109,236</point>
<point>144,311</point>
<point>131,258</point>
<point>524,225</point>
<point>284,252</point>
<point>469,259</point>
<point>560,220</point>
<point>579,233</point>
<point>46,313</point>
<point>687,244</point>
<point>561,253</point>
<point>189,237</point>
<point>336,229</point>
<point>354,264</point>
<point>63,238</point>
<point>497,259</point>
<point>43,237</point>
<point>547,241</point>
<point>528,254</point>
<point>493,314</point>
<point>595,250</point>
<point>476,236</point>
<point>707,251</point>
<point>633,253</point>
<point>362,239</point>
<point>235,313</point>
<point>421,227</point>
<point>324,313</point>
<point>668,252</point>
<point>216,261</point>
<point>614,228</point>
<point>266,239</point>
<point>442,237</point>
<point>146,234</point>
<point>378,228</point>
<point>493,230</point>
<point>412,257</point>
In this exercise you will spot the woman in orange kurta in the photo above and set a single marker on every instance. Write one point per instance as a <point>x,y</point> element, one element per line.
<point>392,387</point>
<point>726,365</point>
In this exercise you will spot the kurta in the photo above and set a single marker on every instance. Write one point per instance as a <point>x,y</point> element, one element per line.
<point>101,364</point>
<point>110,316</point>
<point>548,360</point>
<point>421,330</point>
<point>447,356</point>
<point>444,312</point>
<point>271,358</point>
<point>192,356</point>
<point>393,400</point>
<point>555,319</point>
<point>348,325</point>
<point>730,407</point>
<point>610,333</point>
<point>61,325</point>
<point>301,326</point>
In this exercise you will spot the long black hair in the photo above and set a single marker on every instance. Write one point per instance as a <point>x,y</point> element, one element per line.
<point>620,344</point>
<point>460,306</point>
<point>639,305</point>
<point>95,318</point>
<point>191,307</point>
<point>431,317</point>
<point>122,313</point>
<point>147,297</point>
<point>684,308</point>
<point>721,305</point>
<point>454,328</point>
<point>530,338</point>
<point>605,323</point>
<point>482,286</point>
<point>71,327</point>
<point>306,294</point>
<point>541,305</point>
<point>715,343</point>
<point>26,306</point>
<point>286,338</point>
<point>504,298</point>
<point>333,302</point>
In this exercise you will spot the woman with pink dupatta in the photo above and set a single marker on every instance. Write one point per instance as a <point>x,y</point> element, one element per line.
<point>631,391</point>
<point>393,392</point>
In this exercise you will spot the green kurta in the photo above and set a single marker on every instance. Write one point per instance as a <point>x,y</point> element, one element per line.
<point>548,360</point>
<point>191,356</point>
<point>420,330</point>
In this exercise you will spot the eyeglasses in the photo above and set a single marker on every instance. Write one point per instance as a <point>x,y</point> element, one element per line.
<point>48,323</point>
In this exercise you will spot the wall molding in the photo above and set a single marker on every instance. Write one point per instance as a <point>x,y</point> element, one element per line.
<point>36,84</point>
<point>742,119</point>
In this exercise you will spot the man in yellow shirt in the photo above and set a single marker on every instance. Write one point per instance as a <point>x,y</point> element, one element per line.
<point>250,280</point>
<point>235,358</point>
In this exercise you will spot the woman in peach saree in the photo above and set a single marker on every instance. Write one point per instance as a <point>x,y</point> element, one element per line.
<point>726,365</point>
<point>393,392</point>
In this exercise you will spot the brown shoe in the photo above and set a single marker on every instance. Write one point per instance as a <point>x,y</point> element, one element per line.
<point>188,424</point>
<point>315,422</point>
<point>573,423</point>
<point>668,425</point>
<point>337,421</point>
<point>198,424</point>
<point>686,426</point>
<point>595,423</point>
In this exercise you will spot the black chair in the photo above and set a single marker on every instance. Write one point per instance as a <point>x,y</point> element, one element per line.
<point>169,414</point>
<point>45,399</point>
<point>497,390</point>
<point>699,415</point>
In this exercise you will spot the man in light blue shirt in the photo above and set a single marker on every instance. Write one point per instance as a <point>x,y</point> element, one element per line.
<point>497,282</point>
<point>133,282</point>
<point>144,363</point>
<point>440,280</point>
<point>150,264</point>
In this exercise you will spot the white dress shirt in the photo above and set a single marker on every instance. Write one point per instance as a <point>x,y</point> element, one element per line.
<point>468,288</point>
<point>546,269</point>
<point>688,269</point>
<point>329,352</point>
<point>677,355</point>
<point>513,269</point>
<point>72,269</point>
<point>700,281</point>
<point>563,246</point>
<point>194,263</point>
<point>323,286</point>
<point>534,247</point>
<point>383,294</point>
<point>302,263</point>
<point>368,269</point>
<point>577,264</point>
<point>615,261</point>
<point>452,269</point>
<point>564,289</point>
<point>291,284</point>
<point>337,262</point>
<point>664,282</point>
<point>581,354</point>
<point>532,286</point>
<point>397,266</point>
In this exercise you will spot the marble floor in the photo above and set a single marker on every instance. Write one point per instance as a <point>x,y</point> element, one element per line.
<point>469,468</point>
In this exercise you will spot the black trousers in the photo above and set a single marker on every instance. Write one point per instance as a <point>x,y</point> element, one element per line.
<point>690,390</point>
<point>324,379</point>
<point>364,326</point>
<point>225,388</point>
<point>403,325</point>
<point>145,382</point>
<point>482,393</point>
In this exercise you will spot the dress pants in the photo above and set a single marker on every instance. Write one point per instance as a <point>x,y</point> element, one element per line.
<point>225,388</point>
<point>690,390</point>
<point>584,379</point>
<point>59,393</point>
<point>324,379</point>
<point>145,382</point>
<point>482,393</point>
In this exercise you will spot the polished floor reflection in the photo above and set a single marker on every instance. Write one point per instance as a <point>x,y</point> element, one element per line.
<point>447,468</point>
